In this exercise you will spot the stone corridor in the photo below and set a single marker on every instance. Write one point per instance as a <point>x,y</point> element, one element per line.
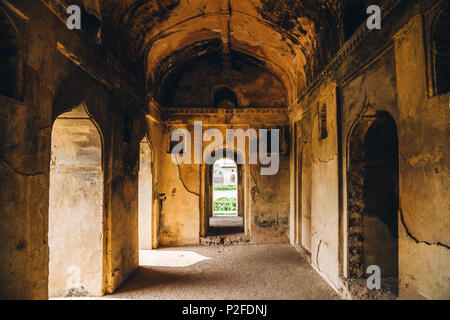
<point>246,149</point>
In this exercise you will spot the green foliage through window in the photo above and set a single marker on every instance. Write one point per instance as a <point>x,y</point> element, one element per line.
<point>225,204</point>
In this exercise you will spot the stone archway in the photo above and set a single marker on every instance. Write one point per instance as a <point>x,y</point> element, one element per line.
<point>207,199</point>
<point>75,237</point>
<point>372,181</point>
<point>145,195</point>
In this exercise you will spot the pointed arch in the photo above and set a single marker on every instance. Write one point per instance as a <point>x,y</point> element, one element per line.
<point>76,218</point>
<point>372,183</point>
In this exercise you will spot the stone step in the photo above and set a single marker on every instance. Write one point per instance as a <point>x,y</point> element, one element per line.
<point>225,240</point>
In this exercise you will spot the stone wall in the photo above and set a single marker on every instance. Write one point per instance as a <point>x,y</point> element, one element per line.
<point>384,71</point>
<point>266,205</point>
<point>54,84</point>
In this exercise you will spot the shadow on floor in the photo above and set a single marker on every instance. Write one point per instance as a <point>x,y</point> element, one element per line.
<point>222,231</point>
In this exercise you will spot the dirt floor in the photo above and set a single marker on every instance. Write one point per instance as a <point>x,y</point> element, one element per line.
<point>225,272</point>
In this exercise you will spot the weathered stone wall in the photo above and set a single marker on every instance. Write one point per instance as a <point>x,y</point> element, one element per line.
<point>318,213</point>
<point>387,72</point>
<point>424,240</point>
<point>253,86</point>
<point>266,203</point>
<point>180,213</point>
<point>52,85</point>
<point>270,204</point>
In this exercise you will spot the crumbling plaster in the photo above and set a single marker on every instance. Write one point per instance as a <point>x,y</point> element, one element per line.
<point>378,71</point>
<point>55,85</point>
<point>265,207</point>
<point>393,79</point>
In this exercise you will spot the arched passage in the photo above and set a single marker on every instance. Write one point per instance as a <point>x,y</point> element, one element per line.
<point>76,206</point>
<point>373,198</point>
<point>214,223</point>
<point>145,195</point>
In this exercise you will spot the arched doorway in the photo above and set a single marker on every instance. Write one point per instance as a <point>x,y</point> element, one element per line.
<point>145,196</point>
<point>76,206</point>
<point>225,182</point>
<point>373,199</point>
<point>224,194</point>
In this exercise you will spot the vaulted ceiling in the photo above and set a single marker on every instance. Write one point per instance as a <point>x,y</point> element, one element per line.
<point>292,39</point>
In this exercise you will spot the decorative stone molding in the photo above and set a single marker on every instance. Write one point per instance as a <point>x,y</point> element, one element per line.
<point>246,110</point>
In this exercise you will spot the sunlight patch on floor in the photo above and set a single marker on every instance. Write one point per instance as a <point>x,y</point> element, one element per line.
<point>172,258</point>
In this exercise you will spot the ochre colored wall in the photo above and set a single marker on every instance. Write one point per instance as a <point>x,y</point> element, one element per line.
<point>424,188</point>
<point>392,79</point>
<point>52,86</point>
<point>266,198</point>
<point>253,86</point>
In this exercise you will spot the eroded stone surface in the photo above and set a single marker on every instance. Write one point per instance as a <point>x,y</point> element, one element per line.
<point>145,68</point>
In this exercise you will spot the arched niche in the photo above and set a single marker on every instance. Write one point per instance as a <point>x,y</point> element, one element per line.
<point>372,183</point>
<point>224,97</point>
<point>145,195</point>
<point>75,236</point>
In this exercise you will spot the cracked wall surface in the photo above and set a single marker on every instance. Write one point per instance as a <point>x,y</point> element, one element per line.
<point>265,206</point>
<point>391,78</point>
<point>285,60</point>
<point>54,85</point>
<point>424,208</point>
